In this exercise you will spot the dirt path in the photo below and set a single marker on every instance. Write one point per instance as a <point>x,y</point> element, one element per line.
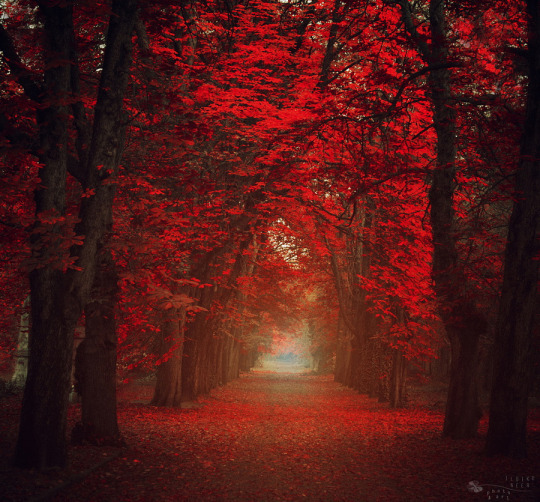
<point>290,437</point>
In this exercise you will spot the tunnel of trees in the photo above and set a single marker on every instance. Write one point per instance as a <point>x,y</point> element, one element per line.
<point>184,185</point>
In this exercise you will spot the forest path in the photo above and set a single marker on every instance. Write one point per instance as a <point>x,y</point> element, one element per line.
<point>289,437</point>
<point>273,437</point>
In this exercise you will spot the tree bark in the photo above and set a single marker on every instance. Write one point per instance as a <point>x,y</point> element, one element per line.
<point>95,362</point>
<point>18,379</point>
<point>398,380</point>
<point>198,374</point>
<point>233,360</point>
<point>192,350</point>
<point>42,440</point>
<point>42,430</point>
<point>168,389</point>
<point>340,367</point>
<point>227,358</point>
<point>513,355</point>
<point>463,322</point>
<point>58,295</point>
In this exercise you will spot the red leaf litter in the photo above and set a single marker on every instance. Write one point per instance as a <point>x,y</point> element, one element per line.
<point>276,437</point>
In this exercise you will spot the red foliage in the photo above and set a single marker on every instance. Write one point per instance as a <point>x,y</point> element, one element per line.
<point>278,437</point>
<point>292,122</point>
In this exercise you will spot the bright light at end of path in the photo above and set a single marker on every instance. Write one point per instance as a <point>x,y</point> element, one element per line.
<point>277,364</point>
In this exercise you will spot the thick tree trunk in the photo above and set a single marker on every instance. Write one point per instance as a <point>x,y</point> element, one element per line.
<point>168,389</point>
<point>57,295</point>
<point>42,430</point>
<point>194,333</point>
<point>42,439</point>
<point>513,356</point>
<point>95,362</point>
<point>463,322</point>
<point>463,411</point>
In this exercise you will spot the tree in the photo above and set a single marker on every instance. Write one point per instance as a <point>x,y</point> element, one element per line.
<point>464,323</point>
<point>18,380</point>
<point>168,389</point>
<point>95,361</point>
<point>64,255</point>
<point>519,295</point>
<point>316,131</point>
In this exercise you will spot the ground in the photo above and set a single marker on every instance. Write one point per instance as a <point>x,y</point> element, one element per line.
<point>269,436</point>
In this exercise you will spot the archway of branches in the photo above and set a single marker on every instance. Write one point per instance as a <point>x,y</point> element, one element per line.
<point>246,176</point>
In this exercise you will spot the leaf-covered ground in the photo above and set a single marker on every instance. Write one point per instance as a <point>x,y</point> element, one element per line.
<point>274,437</point>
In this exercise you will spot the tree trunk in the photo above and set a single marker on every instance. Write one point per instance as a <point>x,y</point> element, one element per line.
<point>463,411</point>
<point>234,361</point>
<point>463,322</point>
<point>42,440</point>
<point>198,375</point>
<point>58,295</point>
<point>398,380</point>
<point>18,379</point>
<point>42,429</point>
<point>227,359</point>
<point>513,357</point>
<point>219,359</point>
<point>204,362</point>
<point>168,389</point>
<point>95,362</point>
<point>190,370</point>
<point>340,367</point>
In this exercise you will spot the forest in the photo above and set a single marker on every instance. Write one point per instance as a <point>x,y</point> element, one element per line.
<point>188,186</point>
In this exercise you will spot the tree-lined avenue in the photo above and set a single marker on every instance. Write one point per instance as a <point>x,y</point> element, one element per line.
<point>287,436</point>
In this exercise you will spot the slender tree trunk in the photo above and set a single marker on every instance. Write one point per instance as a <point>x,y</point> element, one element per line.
<point>398,380</point>
<point>18,379</point>
<point>228,358</point>
<point>204,363</point>
<point>234,361</point>
<point>218,360</point>
<point>348,363</point>
<point>190,369</point>
<point>198,373</point>
<point>513,355</point>
<point>95,362</point>
<point>168,389</point>
<point>340,364</point>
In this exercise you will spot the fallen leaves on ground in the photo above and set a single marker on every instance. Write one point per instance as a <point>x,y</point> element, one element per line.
<point>270,437</point>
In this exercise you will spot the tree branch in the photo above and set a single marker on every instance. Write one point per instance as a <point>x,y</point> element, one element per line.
<point>406,15</point>
<point>23,76</point>
<point>142,36</point>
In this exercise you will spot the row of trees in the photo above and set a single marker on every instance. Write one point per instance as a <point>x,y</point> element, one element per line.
<point>207,174</point>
